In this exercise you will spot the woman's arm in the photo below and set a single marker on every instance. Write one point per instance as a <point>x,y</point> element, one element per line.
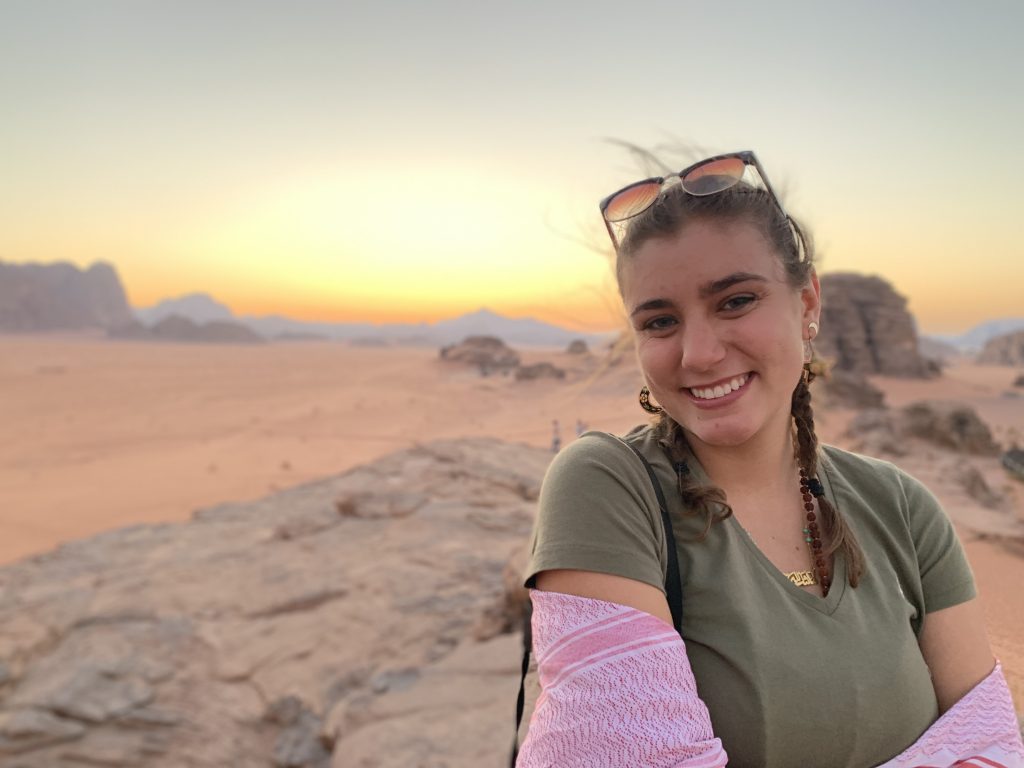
<point>955,648</point>
<point>603,586</point>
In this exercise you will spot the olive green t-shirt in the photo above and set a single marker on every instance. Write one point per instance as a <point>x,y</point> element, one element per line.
<point>790,678</point>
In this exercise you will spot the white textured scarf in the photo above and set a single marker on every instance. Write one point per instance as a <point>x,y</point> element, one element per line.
<point>617,690</point>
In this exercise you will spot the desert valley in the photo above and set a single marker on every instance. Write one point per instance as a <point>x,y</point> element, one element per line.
<point>295,553</point>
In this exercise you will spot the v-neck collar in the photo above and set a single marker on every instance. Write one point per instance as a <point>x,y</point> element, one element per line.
<point>826,605</point>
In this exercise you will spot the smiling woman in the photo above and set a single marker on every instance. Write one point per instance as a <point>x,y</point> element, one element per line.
<point>827,613</point>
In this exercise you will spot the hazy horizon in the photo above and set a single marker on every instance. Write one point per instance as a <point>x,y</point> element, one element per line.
<point>397,162</point>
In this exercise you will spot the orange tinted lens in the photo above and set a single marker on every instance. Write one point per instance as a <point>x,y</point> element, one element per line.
<point>715,176</point>
<point>631,201</point>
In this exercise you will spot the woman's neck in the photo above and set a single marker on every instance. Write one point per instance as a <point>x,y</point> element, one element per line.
<point>762,464</point>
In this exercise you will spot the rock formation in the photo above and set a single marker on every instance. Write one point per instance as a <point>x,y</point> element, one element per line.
<point>847,389</point>
<point>542,370</point>
<point>350,622</point>
<point>488,353</point>
<point>1007,349</point>
<point>36,297</point>
<point>866,328</point>
<point>178,328</point>
<point>577,347</point>
<point>948,425</point>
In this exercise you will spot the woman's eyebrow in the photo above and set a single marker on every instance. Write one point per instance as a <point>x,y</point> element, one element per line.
<point>715,286</point>
<point>652,304</point>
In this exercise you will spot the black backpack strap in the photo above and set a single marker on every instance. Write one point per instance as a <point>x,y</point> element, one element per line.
<point>521,700</point>
<point>673,582</point>
<point>673,591</point>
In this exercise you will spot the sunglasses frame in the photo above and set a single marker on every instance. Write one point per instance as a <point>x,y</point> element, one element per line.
<point>748,158</point>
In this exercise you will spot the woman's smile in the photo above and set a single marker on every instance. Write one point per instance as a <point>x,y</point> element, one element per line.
<point>722,393</point>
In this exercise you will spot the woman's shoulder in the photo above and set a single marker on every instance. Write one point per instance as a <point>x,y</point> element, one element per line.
<point>605,451</point>
<point>880,483</point>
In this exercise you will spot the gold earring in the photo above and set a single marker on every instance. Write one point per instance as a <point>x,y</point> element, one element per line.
<point>645,401</point>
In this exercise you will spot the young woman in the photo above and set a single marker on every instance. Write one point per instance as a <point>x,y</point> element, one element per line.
<point>828,611</point>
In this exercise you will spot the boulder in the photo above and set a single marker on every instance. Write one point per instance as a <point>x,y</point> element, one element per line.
<point>541,370</point>
<point>487,353</point>
<point>848,389</point>
<point>1007,349</point>
<point>950,425</point>
<point>577,347</point>
<point>866,328</point>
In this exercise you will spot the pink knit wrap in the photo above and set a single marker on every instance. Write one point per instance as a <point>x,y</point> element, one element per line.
<point>617,690</point>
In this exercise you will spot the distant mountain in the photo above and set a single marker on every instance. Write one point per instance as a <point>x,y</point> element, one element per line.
<point>977,337</point>
<point>197,307</point>
<point>60,296</point>
<point>201,308</point>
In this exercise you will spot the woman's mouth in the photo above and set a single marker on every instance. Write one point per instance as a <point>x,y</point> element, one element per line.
<point>721,393</point>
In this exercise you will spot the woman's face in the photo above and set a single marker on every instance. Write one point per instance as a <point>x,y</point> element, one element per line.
<point>719,331</point>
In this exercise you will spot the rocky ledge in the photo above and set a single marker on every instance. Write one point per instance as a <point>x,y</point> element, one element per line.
<point>357,621</point>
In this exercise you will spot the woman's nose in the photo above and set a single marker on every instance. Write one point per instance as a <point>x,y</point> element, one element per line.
<point>702,347</point>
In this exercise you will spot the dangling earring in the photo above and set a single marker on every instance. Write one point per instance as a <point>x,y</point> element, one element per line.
<point>812,333</point>
<point>645,401</point>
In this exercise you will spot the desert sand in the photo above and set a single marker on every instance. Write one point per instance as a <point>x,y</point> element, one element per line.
<point>100,434</point>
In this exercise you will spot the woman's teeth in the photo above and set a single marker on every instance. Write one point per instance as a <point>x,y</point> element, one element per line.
<point>720,390</point>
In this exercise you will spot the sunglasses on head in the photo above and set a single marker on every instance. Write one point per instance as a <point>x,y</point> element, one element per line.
<point>703,178</point>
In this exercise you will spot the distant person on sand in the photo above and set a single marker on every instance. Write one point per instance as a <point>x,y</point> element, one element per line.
<point>556,437</point>
<point>580,427</point>
<point>715,586</point>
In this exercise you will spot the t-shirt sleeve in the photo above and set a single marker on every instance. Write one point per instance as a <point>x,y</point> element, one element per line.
<point>946,578</point>
<point>598,512</point>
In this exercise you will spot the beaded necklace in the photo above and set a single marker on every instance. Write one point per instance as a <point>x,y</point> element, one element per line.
<point>809,489</point>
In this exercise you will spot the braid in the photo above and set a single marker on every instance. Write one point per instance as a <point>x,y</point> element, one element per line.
<point>839,534</point>
<point>705,500</point>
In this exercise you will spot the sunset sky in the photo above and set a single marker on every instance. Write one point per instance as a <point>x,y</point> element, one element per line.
<point>396,161</point>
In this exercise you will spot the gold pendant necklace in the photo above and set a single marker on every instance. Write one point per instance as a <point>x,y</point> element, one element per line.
<point>802,578</point>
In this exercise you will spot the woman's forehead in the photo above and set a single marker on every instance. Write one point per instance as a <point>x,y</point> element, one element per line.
<point>699,254</point>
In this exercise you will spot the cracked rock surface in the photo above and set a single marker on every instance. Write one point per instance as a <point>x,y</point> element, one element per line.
<point>359,621</point>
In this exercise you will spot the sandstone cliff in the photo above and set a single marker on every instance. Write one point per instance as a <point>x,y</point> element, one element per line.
<point>36,297</point>
<point>866,328</point>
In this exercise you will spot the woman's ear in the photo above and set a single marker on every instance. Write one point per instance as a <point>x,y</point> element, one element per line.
<point>810,297</point>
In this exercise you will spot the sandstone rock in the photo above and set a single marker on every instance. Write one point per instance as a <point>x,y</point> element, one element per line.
<point>949,425</point>
<point>866,328</point>
<point>179,328</point>
<point>24,730</point>
<point>577,347</point>
<point>280,632</point>
<point>1007,349</point>
<point>487,353</point>
<point>848,389</point>
<point>542,370</point>
<point>36,297</point>
<point>974,484</point>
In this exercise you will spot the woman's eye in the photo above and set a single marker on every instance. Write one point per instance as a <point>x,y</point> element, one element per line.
<point>738,302</point>
<point>659,323</point>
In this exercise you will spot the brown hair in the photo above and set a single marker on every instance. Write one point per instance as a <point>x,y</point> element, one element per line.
<point>793,246</point>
